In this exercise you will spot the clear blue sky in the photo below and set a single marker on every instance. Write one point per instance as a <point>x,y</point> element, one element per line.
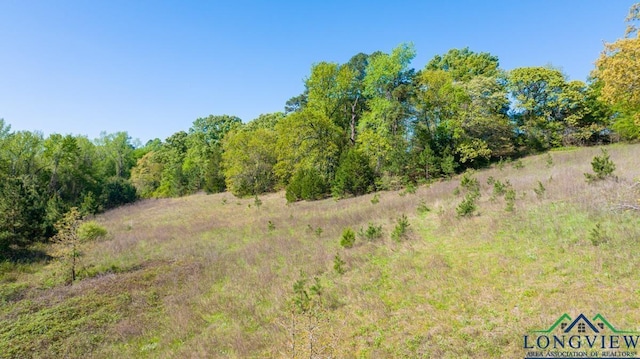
<point>152,67</point>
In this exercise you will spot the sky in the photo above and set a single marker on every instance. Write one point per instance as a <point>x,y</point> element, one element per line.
<point>152,67</point>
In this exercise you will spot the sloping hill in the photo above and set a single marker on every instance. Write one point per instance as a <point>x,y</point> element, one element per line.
<point>216,276</point>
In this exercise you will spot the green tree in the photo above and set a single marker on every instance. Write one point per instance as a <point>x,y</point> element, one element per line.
<point>117,151</point>
<point>382,128</point>
<point>539,109</point>
<point>354,175</point>
<point>248,160</point>
<point>307,139</point>
<point>464,64</point>
<point>618,68</point>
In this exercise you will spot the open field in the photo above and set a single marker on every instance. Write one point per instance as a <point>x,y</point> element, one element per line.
<point>213,275</point>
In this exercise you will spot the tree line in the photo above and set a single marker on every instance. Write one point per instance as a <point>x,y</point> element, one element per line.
<point>372,123</point>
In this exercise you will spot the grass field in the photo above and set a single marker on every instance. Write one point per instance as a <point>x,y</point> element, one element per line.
<point>209,276</point>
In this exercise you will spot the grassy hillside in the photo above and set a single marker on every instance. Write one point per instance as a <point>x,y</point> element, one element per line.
<point>215,276</point>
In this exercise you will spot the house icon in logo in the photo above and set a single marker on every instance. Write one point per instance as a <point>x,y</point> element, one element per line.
<point>582,325</point>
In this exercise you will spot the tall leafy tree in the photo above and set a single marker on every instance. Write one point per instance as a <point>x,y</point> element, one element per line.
<point>539,108</point>
<point>464,64</point>
<point>619,70</point>
<point>248,160</point>
<point>382,129</point>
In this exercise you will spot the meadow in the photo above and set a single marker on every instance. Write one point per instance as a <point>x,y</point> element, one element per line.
<point>215,276</point>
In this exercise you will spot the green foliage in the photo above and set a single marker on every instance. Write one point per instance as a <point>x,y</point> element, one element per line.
<point>257,201</point>
<point>371,233</point>
<point>598,236</point>
<point>375,199</point>
<point>306,297</point>
<point>118,191</point>
<point>339,264</point>
<point>470,183</point>
<point>517,164</point>
<point>539,190</point>
<point>306,184</point>
<point>602,166</point>
<point>401,228</point>
<point>69,238</point>
<point>510,199</point>
<point>271,226</point>
<point>354,176</point>
<point>423,208</point>
<point>549,160</point>
<point>248,159</point>
<point>22,212</point>
<point>464,64</point>
<point>348,238</point>
<point>468,206</point>
<point>91,230</point>
<point>500,188</point>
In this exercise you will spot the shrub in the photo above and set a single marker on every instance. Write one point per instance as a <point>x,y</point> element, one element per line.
<point>354,175</point>
<point>375,199</point>
<point>549,160</point>
<point>401,228</point>
<point>338,264</point>
<point>598,236</point>
<point>510,198</point>
<point>469,183</point>
<point>117,191</point>
<point>468,205</point>
<point>423,208</point>
<point>602,166</point>
<point>539,190</point>
<point>371,233</point>
<point>306,184</point>
<point>348,238</point>
<point>91,230</point>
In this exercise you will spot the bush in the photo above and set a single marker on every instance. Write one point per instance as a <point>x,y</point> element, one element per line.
<point>338,264</point>
<point>116,192</point>
<point>602,166</point>
<point>468,205</point>
<point>348,238</point>
<point>539,190</point>
<point>354,176</point>
<point>91,230</point>
<point>371,233</point>
<point>401,228</point>
<point>306,184</point>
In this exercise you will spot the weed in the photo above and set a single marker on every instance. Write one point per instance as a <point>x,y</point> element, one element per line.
<point>257,202</point>
<point>271,226</point>
<point>375,199</point>
<point>549,160</point>
<point>348,238</point>
<point>318,232</point>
